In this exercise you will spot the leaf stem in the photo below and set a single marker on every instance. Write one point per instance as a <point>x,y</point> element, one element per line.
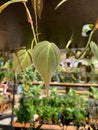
<point>88,42</point>
<point>47,89</point>
<point>30,21</point>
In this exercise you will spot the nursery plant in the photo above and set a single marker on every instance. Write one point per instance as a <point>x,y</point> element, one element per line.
<point>46,60</point>
<point>88,30</point>
<point>26,110</point>
<point>74,108</point>
<point>56,109</point>
<point>5,69</point>
<point>46,51</point>
<point>45,56</point>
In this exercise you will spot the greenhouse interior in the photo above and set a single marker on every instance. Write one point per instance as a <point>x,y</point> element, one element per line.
<point>48,64</point>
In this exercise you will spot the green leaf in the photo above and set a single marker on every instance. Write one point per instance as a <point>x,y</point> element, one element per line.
<point>60,4</point>
<point>94,92</point>
<point>38,6</point>
<point>22,59</point>
<point>46,57</point>
<point>94,49</point>
<point>86,29</point>
<point>2,7</point>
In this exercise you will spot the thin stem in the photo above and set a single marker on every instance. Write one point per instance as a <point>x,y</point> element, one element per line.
<point>32,44</point>
<point>24,78</point>
<point>89,40</point>
<point>13,100</point>
<point>47,89</point>
<point>30,21</point>
<point>36,21</point>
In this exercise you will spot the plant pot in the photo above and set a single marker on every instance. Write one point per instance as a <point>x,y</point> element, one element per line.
<point>51,127</point>
<point>57,127</point>
<point>24,125</point>
<point>21,125</point>
<point>44,126</point>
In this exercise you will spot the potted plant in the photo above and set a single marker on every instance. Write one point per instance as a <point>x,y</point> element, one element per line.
<point>27,108</point>
<point>55,110</point>
<point>74,108</point>
<point>46,57</point>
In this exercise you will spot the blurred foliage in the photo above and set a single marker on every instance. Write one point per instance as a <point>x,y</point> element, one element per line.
<point>52,109</point>
<point>6,69</point>
<point>85,72</point>
<point>29,75</point>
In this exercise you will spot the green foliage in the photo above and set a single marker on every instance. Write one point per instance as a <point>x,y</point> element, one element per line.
<point>86,29</point>
<point>46,57</point>
<point>50,53</point>
<point>94,49</point>
<point>6,69</point>
<point>33,101</point>
<point>50,107</point>
<point>28,104</point>
<point>22,59</point>
<point>75,106</point>
<point>94,92</point>
<point>28,76</point>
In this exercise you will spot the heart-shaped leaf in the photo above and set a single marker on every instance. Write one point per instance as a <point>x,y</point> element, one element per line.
<point>46,57</point>
<point>86,29</point>
<point>22,59</point>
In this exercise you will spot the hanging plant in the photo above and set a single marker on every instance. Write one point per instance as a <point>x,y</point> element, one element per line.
<point>37,6</point>
<point>46,57</point>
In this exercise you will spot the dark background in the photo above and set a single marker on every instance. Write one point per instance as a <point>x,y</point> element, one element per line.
<point>55,26</point>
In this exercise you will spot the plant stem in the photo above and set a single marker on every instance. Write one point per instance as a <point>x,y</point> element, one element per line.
<point>30,21</point>
<point>36,21</point>
<point>47,89</point>
<point>88,42</point>
<point>13,100</point>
